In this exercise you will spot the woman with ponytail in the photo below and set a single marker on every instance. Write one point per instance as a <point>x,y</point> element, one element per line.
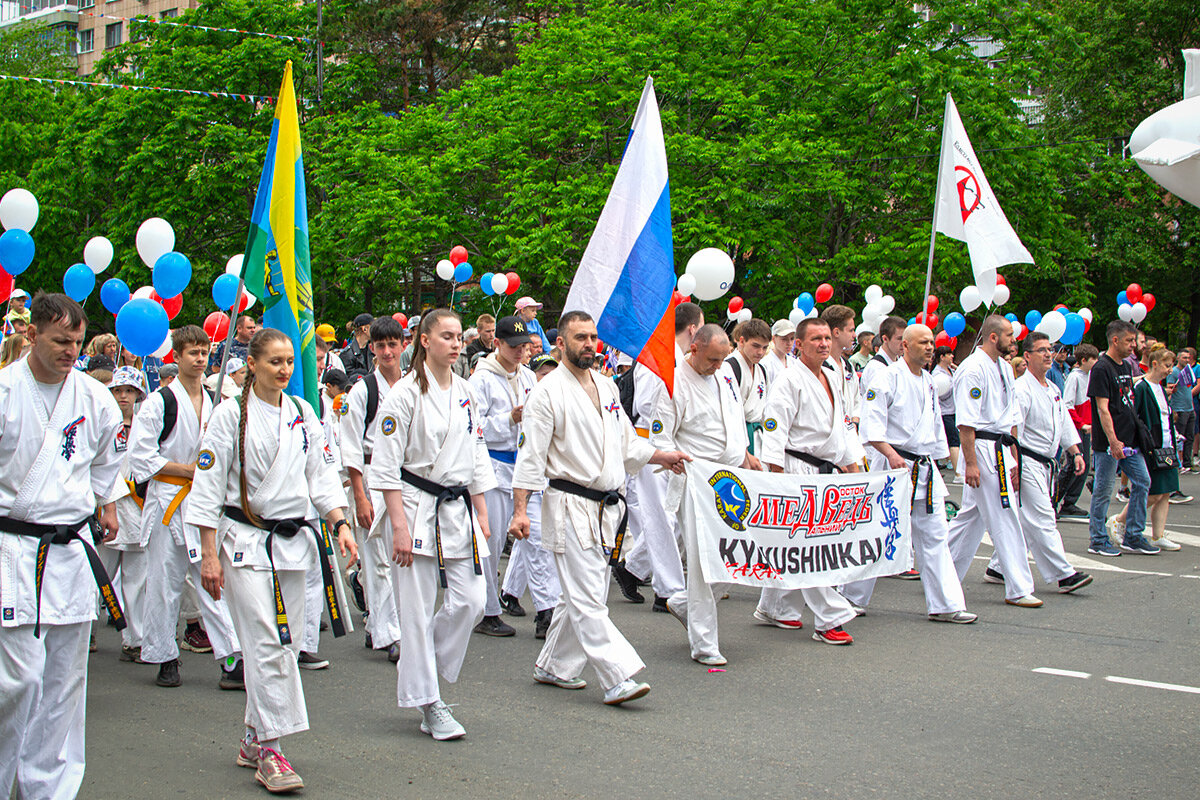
<point>431,463</point>
<point>263,463</point>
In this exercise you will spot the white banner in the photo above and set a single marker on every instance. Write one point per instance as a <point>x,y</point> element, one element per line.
<point>797,531</point>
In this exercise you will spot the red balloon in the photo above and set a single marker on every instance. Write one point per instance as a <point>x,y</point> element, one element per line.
<point>6,285</point>
<point>458,254</point>
<point>169,358</point>
<point>953,342</point>
<point>1134,293</point>
<point>514,282</point>
<point>676,297</point>
<point>403,320</point>
<point>735,305</point>
<point>942,339</point>
<point>1000,280</point>
<point>216,325</point>
<point>1148,301</point>
<point>599,346</point>
<point>172,305</point>
<point>932,303</point>
<point>933,320</point>
<point>1060,305</point>
<point>1024,332</point>
<point>1087,323</point>
<point>823,293</point>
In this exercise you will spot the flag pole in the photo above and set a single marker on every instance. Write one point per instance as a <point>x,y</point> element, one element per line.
<point>936,202</point>
<point>233,313</point>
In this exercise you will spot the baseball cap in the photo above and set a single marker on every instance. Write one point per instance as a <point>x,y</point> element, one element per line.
<point>512,331</point>
<point>336,377</point>
<point>233,365</point>
<point>327,332</point>
<point>18,293</point>
<point>129,376</point>
<point>100,361</point>
<point>624,359</point>
<point>527,302</point>
<point>542,360</point>
<point>783,327</point>
<point>413,324</point>
<point>363,319</point>
<point>168,371</point>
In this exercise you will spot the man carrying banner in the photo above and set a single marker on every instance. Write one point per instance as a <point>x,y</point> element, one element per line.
<point>901,422</point>
<point>807,430</point>
<point>704,418</point>
<point>987,412</point>
<point>577,436</point>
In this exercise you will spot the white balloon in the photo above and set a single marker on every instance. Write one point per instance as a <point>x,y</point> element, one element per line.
<point>18,210</point>
<point>251,298</point>
<point>445,269</point>
<point>812,314</point>
<point>1054,325</point>
<point>712,269</point>
<point>1138,312</point>
<point>796,317</point>
<point>1086,313</point>
<point>985,282</point>
<point>887,304</point>
<point>873,318</point>
<point>1016,326</point>
<point>873,294</point>
<point>499,283</point>
<point>745,315</point>
<point>862,328</point>
<point>155,237</point>
<point>1125,312</point>
<point>234,265</point>
<point>163,348</point>
<point>98,254</point>
<point>143,292</point>
<point>732,316</point>
<point>969,298</point>
<point>1002,294</point>
<point>685,284</point>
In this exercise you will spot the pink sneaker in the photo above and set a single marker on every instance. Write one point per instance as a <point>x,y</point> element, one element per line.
<point>275,773</point>
<point>248,754</point>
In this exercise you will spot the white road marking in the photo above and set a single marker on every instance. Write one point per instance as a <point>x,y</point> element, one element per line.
<point>1065,673</point>
<point>1170,687</point>
<point>1182,538</point>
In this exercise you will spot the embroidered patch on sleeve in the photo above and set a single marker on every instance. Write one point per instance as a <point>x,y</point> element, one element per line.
<point>870,394</point>
<point>656,426</point>
<point>976,393</point>
<point>770,424</point>
<point>388,425</point>
<point>206,459</point>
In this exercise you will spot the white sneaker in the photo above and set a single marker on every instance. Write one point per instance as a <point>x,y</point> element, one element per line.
<point>550,679</point>
<point>1116,530</point>
<point>678,609</point>
<point>711,661</point>
<point>859,611</point>
<point>624,691</point>
<point>1166,544</point>
<point>958,617</point>
<point>439,723</point>
<point>1027,601</point>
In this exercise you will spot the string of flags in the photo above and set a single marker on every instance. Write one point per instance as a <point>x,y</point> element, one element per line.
<point>248,98</point>
<point>198,27</point>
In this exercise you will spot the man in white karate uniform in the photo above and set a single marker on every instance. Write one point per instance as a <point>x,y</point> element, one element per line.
<point>1043,427</point>
<point>891,336</point>
<point>753,339</point>
<point>840,320</point>
<point>163,445</point>
<point>578,437</point>
<point>58,430</point>
<point>987,413</point>
<point>374,531</point>
<point>902,425</point>
<point>783,339</point>
<point>703,418</point>
<point>807,430</point>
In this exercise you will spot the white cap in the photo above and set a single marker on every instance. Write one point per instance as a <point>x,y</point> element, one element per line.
<point>18,293</point>
<point>624,360</point>
<point>129,376</point>
<point>233,365</point>
<point>783,327</point>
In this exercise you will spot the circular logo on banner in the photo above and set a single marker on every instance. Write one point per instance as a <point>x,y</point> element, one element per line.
<point>770,424</point>
<point>870,394</point>
<point>656,427</point>
<point>976,393</point>
<point>388,425</point>
<point>206,459</point>
<point>732,499</point>
<point>521,440</point>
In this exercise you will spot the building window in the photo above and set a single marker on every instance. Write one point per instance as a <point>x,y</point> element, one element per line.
<point>112,35</point>
<point>87,41</point>
<point>170,13</point>
<point>87,4</point>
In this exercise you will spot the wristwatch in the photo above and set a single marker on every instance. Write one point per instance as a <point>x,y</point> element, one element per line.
<point>340,523</point>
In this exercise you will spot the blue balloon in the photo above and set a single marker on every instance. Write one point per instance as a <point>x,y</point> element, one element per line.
<point>912,320</point>
<point>142,325</point>
<point>954,323</point>
<point>805,302</point>
<point>1011,317</point>
<point>16,251</point>
<point>1122,298</point>
<point>78,282</point>
<point>1075,327</point>
<point>114,293</point>
<point>1032,318</point>
<point>485,283</point>
<point>172,273</point>
<point>462,273</point>
<point>224,293</point>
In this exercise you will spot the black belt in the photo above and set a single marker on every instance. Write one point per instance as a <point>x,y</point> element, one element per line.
<point>1049,462</point>
<point>441,494</point>
<point>824,467</point>
<point>916,471</point>
<point>64,534</point>
<point>1002,440</point>
<point>287,528</point>
<point>605,499</point>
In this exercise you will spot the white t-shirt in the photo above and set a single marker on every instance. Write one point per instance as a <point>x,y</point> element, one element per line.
<point>50,393</point>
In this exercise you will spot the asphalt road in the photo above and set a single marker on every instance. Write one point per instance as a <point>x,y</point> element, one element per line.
<point>913,709</point>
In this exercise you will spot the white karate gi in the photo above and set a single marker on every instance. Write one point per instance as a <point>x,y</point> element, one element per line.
<point>435,435</point>
<point>288,470</point>
<point>497,395</point>
<point>873,368</point>
<point>753,391</point>
<point>59,462</point>
<point>847,384</point>
<point>127,552</point>
<point>705,419</point>
<point>172,550</point>
<point>568,437</point>
<point>801,417</point>
<point>901,409</point>
<point>985,399</point>
<point>773,365</point>
<point>375,543</point>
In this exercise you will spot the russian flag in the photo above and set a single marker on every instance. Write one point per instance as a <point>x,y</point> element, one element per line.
<point>627,273</point>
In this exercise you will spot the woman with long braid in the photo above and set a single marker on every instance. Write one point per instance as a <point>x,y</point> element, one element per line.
<point>263,463</point>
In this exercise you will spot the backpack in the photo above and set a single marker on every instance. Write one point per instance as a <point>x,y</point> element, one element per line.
<point>372,383</point>
<point>624,383</point>
<point>736,366</point>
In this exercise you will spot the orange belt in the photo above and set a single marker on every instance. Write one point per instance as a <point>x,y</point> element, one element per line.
<point>133,492</point>
<point>643,432</point>
<point>178,500</point>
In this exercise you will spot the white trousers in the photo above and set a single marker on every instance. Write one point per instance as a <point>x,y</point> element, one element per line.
<point>829,608</point>
<point>274,695</point>
<point>982,510</point>
<point>1039,526</point>
<point>530,565</point>
<point>167,569</point>
<point>698,598</point>
<point>499,507</point>
<point>43,687</point>
<point>657,531</point>
<point>375,574</point>
<point>314,601</point>
<point>132,592</point>
<point>434,639</point>
<point>581,631</point>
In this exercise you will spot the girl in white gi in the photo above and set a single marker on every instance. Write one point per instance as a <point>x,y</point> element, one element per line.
<point>432,465</point>
<point>262,461</point>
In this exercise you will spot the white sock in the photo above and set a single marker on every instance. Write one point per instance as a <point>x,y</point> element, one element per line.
<point>270,744</point>
<point>250,736</point>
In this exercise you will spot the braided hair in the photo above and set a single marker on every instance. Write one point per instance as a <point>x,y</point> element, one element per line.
<point>428,323</point>
<point>256,349</point>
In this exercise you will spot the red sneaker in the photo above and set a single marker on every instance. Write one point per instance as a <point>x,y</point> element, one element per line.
<point>196,641</point>
<point>833,636</point>
<point>908,575</point>
<point>248,754</point>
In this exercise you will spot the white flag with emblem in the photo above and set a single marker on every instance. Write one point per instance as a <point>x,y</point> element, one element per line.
<point>967,209</point>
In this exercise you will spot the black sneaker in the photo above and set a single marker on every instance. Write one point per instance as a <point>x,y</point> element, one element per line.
<point>324,626</point>
<point>1123,495</point>
<point>168,674</point>
<point>234,678</point>
<point>1072,512</point>
<point>360,597</point>
<point>132,654</point>
<point>1073,582</point>
<point>541,622</point>
<point>1139,546</point>
<point>92,643</point>
<point>393,652</point>
<point>308,660</point>
<point>628,583</point>
<point>511,605</point>
<point>993,576</point>
<point>660,605</point>
<point>494,626</point>
<point>368,642</point>
<point>1179,497</point>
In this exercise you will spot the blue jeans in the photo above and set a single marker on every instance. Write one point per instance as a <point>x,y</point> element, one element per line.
<point>1106,467</point>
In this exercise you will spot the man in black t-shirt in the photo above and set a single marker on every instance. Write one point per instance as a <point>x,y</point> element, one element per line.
<point>1116,446</point>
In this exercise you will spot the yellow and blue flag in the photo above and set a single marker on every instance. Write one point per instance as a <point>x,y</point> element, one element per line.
<point>277,267</point>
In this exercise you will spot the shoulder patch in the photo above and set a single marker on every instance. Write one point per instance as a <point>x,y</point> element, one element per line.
<point>521,440</point>
<point>388,425</point>
<point>870,394</point>
<point>344,410</point>
<point>206,459</point>
<point>656,426</point>
<point>976,393</point>
<point>770,424</point>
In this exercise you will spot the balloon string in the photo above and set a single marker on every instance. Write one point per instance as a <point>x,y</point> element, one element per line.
<point>7,311</point>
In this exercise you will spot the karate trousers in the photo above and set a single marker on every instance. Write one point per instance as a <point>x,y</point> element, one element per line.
<point>529,564</point>
<point>167,569</point>
<point>698,597</point>
<point>434,640</point>
<point>581,632</point>
<point>314,601</point>
<point>375,574</point>
<point>1039,526</point>
<point>132,563</point>
<point>982,510</point>
<point>274,695</point>
<point>43,688</point>
<point>657,529</point>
